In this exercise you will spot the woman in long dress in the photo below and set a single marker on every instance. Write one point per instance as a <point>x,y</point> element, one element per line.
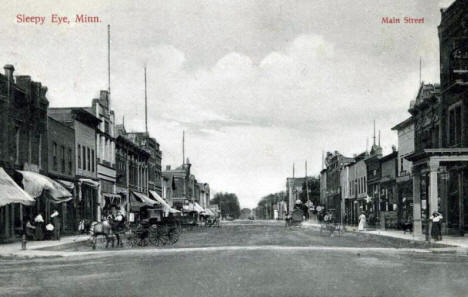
<point>436,231</point>
<point>362,222</point>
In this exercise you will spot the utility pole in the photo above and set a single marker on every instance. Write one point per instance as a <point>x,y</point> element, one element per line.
<point>146,106</point>
<point>183,147</point>
<point>307,188</point>
<point>108,62</point>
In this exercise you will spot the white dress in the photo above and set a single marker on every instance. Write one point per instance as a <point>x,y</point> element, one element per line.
<point>362,222</point>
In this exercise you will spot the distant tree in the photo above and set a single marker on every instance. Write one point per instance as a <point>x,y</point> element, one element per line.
<point>313,186</point>
<point>228,204</point>
<point>264,209</point>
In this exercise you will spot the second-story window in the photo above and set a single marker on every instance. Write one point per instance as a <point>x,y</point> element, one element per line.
<point>92,160</point>
<point>84,157</point>
<point>62,158</point>
<point>89,159</point>
<point>79,156</point>
<point>54,156</point>
<point>70,164</point>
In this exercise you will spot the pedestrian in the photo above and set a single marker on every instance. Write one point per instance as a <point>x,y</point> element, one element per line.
<point>49,231</point>
<point>30,230</point>
<point>362,222</point>
<point>39,221</point>
<point>436,231</point>
<point>56,222</point>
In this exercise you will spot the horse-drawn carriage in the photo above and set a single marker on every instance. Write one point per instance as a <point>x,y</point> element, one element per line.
<point>151,227</point>
<point>295,218</point>
<point>154,228</point>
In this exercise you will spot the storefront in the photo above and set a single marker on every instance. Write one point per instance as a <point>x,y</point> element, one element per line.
<point>12,200</point>
<point>49,195</point>
<point>439,184</point>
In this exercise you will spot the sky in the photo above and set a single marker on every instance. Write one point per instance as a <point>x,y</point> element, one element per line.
<point>257,85</point>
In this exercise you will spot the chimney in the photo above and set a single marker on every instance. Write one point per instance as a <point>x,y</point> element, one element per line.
<point>9,69</point>
<point>168,167</point>
<point>24,81</point>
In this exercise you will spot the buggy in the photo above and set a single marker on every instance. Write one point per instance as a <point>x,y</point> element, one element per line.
<point>296,217</point>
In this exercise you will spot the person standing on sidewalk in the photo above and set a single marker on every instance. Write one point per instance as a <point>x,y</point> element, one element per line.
<point>436,231</point>
<point>362,222</point>
<point>56,222</point>
<point>39,221</point>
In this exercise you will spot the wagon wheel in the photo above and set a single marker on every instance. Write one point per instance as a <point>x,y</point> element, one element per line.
<point>163,234</point>
<point>173,235</point>
<point>132,240</point>
<point>153,235</point>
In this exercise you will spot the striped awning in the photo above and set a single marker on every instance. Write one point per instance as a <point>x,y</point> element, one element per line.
<point>166,206</point>
<point>193,207</point>
<point>144,199</point>
<point>10,192</point>
<point>36,184</point>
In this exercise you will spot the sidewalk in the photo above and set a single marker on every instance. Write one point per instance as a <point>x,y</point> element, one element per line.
<point>454,241</point>
<point>34,248</point>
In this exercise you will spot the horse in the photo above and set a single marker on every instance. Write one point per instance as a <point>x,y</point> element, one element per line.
<point>101,228</point>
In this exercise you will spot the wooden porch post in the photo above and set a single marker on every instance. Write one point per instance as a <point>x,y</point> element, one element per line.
<point>461,209</point>
<point>417,226</point>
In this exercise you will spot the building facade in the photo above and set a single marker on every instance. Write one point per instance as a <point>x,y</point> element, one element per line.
<point>143,140</point>
<point>405,131</point>
<point>440,115</point>
<point>132,163</point>
<point>105,147</point>
<point>388,198</point>
<point>61,164</point>
<point>354,188</point>
<point>335,163</point>
<point>23,138</point>
<point>85,204</point>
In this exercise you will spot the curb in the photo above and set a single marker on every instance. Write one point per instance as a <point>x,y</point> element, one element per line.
<point>422,243</point>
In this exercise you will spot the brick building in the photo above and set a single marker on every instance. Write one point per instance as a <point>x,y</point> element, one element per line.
<point>150,144</point>
<point>61,164</point>
<point>86,184</point>
<point>132,163</point>
<point>374,176</point>
<point>405,131</point>
<point>335,163</point>
<point>388,198</point>
<point>354,188</point>
<point>105,147</point>
<point>23,139</point>
<point>440,116</point>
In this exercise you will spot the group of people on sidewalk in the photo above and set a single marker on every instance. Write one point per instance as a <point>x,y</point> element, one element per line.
<point>37,229</point>
<point>435,220</point>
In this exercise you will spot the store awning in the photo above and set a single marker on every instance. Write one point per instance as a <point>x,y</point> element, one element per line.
<point>193,207</point>
<point>36,184</point>
<point>208,212</point>
<point>89,182</point>
<point>113,199</point>
<point>67,184</point>
<point>144,199</point>
<point>10,192</point>
<point>166,206</point>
